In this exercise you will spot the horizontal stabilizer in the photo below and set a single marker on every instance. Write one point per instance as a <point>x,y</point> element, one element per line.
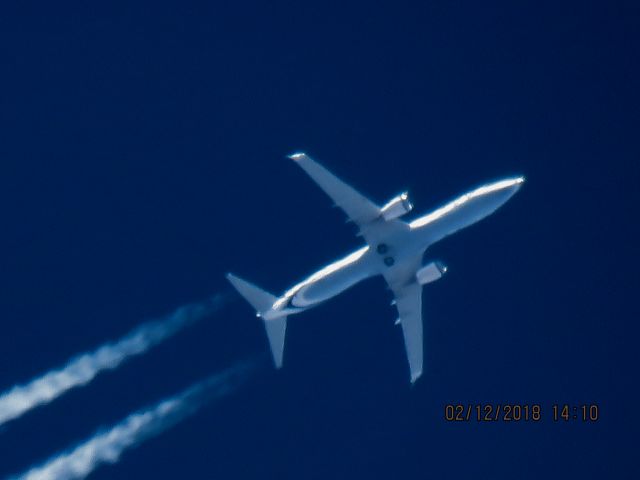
<point>259,299</point>
<point>263,303</point>
<point>276,329</point>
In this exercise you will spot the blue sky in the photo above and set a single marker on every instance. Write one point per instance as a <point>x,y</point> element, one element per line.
<point>144,156</point>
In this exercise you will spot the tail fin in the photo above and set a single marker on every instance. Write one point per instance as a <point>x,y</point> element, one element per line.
<point>263,302</point>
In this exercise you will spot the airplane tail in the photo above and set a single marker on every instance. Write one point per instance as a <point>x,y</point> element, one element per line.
<point>263,303</point>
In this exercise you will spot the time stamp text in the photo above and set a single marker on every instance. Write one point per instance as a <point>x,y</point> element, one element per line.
<point>515,412</point>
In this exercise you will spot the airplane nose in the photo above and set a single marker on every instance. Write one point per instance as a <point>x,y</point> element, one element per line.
<point>489,197</point>
<point>511,182</point>
<point>507,186</point>
<point>517,183</point>
<point>510,186</point>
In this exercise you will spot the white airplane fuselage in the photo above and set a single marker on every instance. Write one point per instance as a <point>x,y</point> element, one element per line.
<point>394,249</point>
<point>414,240</point>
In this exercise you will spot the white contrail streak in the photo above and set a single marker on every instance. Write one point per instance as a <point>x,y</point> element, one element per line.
<point>84,368</point>
<point>106,446</point>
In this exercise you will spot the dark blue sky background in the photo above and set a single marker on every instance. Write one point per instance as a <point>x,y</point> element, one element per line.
<point>142,156</point>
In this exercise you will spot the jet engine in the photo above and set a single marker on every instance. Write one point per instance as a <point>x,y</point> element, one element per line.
<point>397,207</point>
<point>430,273</point>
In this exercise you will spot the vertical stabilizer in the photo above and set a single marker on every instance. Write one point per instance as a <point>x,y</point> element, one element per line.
<point>263,303</point>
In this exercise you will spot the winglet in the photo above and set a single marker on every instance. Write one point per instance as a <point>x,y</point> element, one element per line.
<point>296,157</point>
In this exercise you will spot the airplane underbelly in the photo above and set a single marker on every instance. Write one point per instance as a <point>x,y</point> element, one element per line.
<point>330,285</point>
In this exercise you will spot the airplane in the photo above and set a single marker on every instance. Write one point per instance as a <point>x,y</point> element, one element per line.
<point>394,249</point>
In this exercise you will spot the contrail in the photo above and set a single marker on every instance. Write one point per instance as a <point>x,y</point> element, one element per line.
<point>106,446</point>
<point>84,368</point>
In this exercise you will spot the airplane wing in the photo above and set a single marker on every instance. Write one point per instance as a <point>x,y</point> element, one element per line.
<point>362,211</point>
<point>408,301</point>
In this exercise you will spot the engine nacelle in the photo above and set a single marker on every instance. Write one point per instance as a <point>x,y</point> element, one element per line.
<point>431,272</point>
<point>397,207</point>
